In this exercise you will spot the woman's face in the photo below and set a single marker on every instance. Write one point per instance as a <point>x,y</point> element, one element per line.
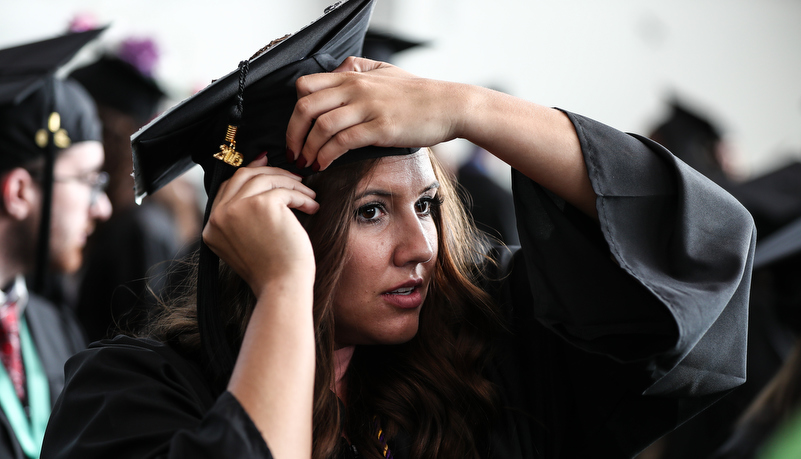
<point>391,254</point>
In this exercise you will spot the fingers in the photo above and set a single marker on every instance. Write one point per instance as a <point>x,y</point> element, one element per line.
<point>260,160</point>
<point>330,124</point>
<point>250,181</point>
<point>293,199</point>
<point>308,109</point>
<point>262,183</point>
<point>361,103</point>
<point>360,64</point>
<point>355,136</point>
<point>330,114</point>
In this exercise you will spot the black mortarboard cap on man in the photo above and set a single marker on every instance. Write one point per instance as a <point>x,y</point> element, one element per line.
<point>40,115</point>
<point>230,123</point>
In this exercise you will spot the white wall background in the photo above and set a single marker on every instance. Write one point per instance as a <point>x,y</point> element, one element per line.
<point>738,61</point>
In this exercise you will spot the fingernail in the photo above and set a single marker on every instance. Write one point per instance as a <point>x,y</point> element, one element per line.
<point>316,166</point>
<point>301,162</point>
<point>289,155</point>
<point>262,155</point>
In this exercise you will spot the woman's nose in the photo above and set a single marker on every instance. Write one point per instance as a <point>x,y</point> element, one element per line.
<point>416,243</point>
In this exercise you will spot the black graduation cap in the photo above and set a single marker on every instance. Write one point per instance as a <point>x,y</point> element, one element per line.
<point>24,68</point>
<point>117,84</point>
<point>40,114</point>
<point>29,93</point>
<point>780,245</point>
<point>692,137</point>
<point>774,198</point>
<point>382,46</point>
<point>192,131</point>
<point>247,111</point>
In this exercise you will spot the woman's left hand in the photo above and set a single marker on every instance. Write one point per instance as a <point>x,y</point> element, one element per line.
<point>364,103</point>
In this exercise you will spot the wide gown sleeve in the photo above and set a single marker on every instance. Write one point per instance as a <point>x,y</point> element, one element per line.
<point>130,398</point>
<point>621,331</point>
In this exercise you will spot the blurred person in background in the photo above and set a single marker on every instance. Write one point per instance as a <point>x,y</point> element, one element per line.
<point>128,255</point>
<point>52,196</point>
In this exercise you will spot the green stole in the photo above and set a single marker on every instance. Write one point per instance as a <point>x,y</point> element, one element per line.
<point>29,432</point>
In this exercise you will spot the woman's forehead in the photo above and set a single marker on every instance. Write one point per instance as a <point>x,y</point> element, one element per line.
<point>413,171</point>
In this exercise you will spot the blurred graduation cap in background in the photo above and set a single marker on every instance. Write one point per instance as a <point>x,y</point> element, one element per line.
<point>693,138</point>
<point>247,111</point>
<point>41,114</point>
<point>25,68</point>
<point>114,82</point>
<point>779,246</point>
<point>774,198</point>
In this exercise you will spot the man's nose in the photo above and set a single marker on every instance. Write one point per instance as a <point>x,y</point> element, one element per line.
<point>100,209</point>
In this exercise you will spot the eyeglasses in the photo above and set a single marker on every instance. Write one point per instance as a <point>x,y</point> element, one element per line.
<point>97,181</point>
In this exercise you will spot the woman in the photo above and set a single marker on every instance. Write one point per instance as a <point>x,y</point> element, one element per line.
<point>370,321</point>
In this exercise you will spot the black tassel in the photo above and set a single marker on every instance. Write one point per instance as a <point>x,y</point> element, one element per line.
<point>218,349</point>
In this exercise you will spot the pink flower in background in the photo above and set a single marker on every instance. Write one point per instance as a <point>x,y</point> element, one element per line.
<point>82,22</point>
<point>142,53</point>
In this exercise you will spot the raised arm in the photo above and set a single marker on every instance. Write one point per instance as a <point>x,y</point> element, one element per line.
<point>366,102</point>
<point>273,377</point>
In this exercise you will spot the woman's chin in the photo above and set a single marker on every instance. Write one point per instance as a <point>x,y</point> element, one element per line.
<point>387,337</point>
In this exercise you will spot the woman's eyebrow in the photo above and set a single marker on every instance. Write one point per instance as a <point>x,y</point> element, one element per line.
<point>384,193</point>
<point>433,186</point>
<point>373,192</point>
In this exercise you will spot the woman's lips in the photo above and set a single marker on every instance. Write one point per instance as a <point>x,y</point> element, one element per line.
<point>407,295</point>
<point>404,299</point>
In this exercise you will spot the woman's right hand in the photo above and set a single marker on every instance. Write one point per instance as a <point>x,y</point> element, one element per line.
<point>253,229</point>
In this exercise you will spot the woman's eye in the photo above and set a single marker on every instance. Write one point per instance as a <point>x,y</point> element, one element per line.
<point>427,206</point>
<point>369,212</point>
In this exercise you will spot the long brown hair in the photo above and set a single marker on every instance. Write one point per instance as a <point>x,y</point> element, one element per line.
<point>440,370</point>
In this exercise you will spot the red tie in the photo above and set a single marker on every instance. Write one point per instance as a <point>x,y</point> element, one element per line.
<point>10,351</point>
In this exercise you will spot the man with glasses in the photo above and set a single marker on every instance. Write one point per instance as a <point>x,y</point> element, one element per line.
<point>51,195</point>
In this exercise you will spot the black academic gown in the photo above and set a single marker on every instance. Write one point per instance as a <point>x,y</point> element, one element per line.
<point>127,252</point>
<point>57,337</point>
<point>618,334</point>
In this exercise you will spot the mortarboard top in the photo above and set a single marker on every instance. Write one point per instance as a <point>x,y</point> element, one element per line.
<point>258,99</point>
<point>25,68</point>
<point>193,130</point>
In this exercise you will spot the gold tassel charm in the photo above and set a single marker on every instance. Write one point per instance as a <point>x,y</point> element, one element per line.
<point>228,153</point>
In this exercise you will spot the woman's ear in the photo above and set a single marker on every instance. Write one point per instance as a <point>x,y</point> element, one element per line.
<point>19,198</point>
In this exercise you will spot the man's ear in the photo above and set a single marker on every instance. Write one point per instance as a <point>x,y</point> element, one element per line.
<point>19,193</point>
